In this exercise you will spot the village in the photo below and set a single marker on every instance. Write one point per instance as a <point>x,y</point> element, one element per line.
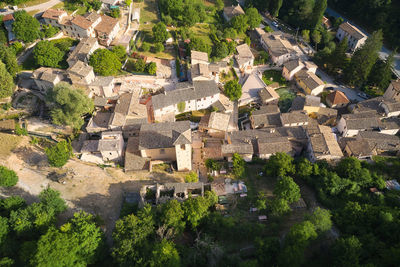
<point>171,120</point>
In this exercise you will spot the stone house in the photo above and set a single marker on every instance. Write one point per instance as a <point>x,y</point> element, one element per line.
<point>359,148</point>
<point>279,47</point>
<point>83,50</point>
<point>54,17</point>
<point>47,78</point>
<point>109,148</point>
<point>290,68</point>
<point>232,11</point>
<point>244,58</point>
<point>268,95</point>
<point>309,82</point>
<point>393,91</point>
<point>107,30</point>
<point>355,38</point>
<point>81,74</point>
<point>168,141</point>
<point>391,108</point>
<point>268,116</point>
<point>197,57</point>
<point>351,124</point>
<point>322,143</point>
<point>337,99</point>
<point>186,97</point>
<point>294,118</point>
<point>382,144</point>
<point>216,124</point>
<point>270,146</point>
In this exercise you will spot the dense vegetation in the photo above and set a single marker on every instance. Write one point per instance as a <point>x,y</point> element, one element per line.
<point>68,105</point>
<point>105,62</point>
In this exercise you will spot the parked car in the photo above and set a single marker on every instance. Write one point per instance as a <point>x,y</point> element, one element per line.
<point>3,10</point>
<point>275,24</point>
<point>330,88</point>
<point>363,95</point>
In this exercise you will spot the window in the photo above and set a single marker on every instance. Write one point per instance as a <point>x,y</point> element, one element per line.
<point>183,147</point>
<point>162,151</point>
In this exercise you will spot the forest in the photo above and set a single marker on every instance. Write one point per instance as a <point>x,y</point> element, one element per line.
<point>364,215</point>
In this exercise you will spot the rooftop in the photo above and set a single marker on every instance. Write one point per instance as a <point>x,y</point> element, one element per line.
<point>82,22</point>
<point>323,142</point>
<point>82,50</point>
<point>359,148</point>
<point>294,117</point>
<point>337,97</point>
<point>309,79</point>
<point>278,43</point>
<point>197,55</point>
<point>244,52</point>
<point>185,92</point>
<point>274,145</point>
<point>293,64</point>
<point>164,135</point>
<point>80,69</point>
<point>352,30</point>
<point>219,121</point>
<point>53,14</point>
<point>232,11</point>
<point>48,74</point>
<point>106,25</point>
<point>267,93</point>
<point>363,121</point>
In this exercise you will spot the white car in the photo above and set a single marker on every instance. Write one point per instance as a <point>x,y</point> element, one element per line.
<point>275,24</point>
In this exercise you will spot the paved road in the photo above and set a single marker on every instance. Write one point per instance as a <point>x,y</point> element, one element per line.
<point>384,53</point>
<point>40,8</point>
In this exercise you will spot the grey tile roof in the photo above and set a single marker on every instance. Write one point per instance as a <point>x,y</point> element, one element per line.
<point>267,93</point>
<point>294,117</point>
<point>277,43</point>
<point>323,142</point>
<point>274,145</point>
<point>360,148</point>
<point>90,146</point>
<point>380,141</point>
<point>232,11</point>
<point>133,159</point>
<point>81,51</point>
<point>392,105</point>
<point>266,109</point>
<point>372,105</point>
<point>362,121</point>
<point>164,135</point>
<point>352,30</point>
<point>185,92</point>
<point>219,121</point>
<point>293,64</point>
<point>197,55</point>
<point>244,54</point>
<point>298,103</point>
<point>309,79</point>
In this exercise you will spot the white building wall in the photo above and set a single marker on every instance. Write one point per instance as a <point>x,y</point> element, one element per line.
<point>184,157</point>
<point>318,90</point>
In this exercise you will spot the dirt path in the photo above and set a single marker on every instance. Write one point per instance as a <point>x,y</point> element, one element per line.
<point>88,187</point>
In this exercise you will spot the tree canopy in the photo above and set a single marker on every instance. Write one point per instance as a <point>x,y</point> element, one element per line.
<point>233,90</point>
<point>26,27</point>
<point>59,154</point>
<point>47,54</point>
<point>6,82</point>
<point>8,58</point>
<point>105,62</point>
<point>160,33</point>
<point>253,17</point>
<point>8,177</point>
<point>68,105</point>
<point>279,164</point>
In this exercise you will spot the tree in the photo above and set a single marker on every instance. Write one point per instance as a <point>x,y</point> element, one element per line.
<point>247,40</point>
<point>68,105</point>
<point>190,17</point>
<point>199,44</point>
<point>159,47</point>
<point>230,33</point>
<point>139,65</point>
<point>49,30</point>
<point>338,58</point>
<point>120,52</point>
<point>347,251</point>
<point>318,12</point>
<point>352,169</point>
<point>279,164</point>
<point>274,7</point>
<point>11,204</point>
<point>160,33</point>
<point>79,242</point>
<point>287,189</point>
<point>321,219</point>
<point>172,216</point>
<point>191,177</point>
<point>8,58</point>
<point>212,165</point>
<point>51,199</point>
<point>96,5</point>
<point>279,206</point>
<point>304,169</point>
<point>151,68</point>
<point>239,23</point>
<point>8,177</point>
<point>233,90</point>
<point>219,4</point>
<point>47,54</point>
<point>145,47</point>
<point>381,73</point>
<point>261,202</point>
<point>238,165</point>
<point>115,13</point>
<point>221,50</point>
<point>59,154</point>
<point>253,17</point>
<point>165,254</point>
<point>26,27</point>
<point>305,34</point>
<point>364,59</point>
<point>195,209</point>
<point>316,37</point>
<point>105,62</point>
<point>4,229</point>
<point>6,82</point>
<point>301,233</point>
<point>267,250</point>
<point>18,47</point>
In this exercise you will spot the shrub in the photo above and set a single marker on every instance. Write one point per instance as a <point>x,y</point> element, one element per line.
<point>191,177</point>
<point>59,154</point>
<point>20,130</point>
<point>145,47</point>
<point>8,177</point>
<point>158,47</point>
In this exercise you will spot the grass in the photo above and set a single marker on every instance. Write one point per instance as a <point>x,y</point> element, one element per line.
<point>271,76</point>
<point>194,116</point>
<point>285,98</point>
<point>58,6</point>
<point>33,12</point>
<point>202,31</point>
<point>32,3</point>
<point>8,142</point>
<point>148,14</point>
<point>225,77</point>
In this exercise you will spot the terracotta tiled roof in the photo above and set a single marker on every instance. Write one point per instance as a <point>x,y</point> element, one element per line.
<point>337,97</point>
<point>53,14</point>
<point>106,25</point>
<point>8,17</point>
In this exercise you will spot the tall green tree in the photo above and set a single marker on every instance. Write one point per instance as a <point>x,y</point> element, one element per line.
<point>233,90</point>
<point>338,58</point>
<point>105,62</point>
<point>8,177</point>
<point>253,17</point>
<point>165,254</point>
<point>6,82</point>
<point>238,165</point>
<point>240,23</point>
<point>47,54</point>
<point>316,37</point>
<point>381,73</point>
<point>305,34</point>
<point>364,59</point>
<point>279,164</point>
<point>347,252</point>
<point>321,219</point>
<point>120,52</point>
<point>26,27</point>
<point>318,12</point>
<point>68,105</point>
<point>8,58</point>
<point>79,242</point>
<point>274,7</point>
<point>287,189</point>
<point>172,216</point>
<point>59,154</point>
<point>160,33</point>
